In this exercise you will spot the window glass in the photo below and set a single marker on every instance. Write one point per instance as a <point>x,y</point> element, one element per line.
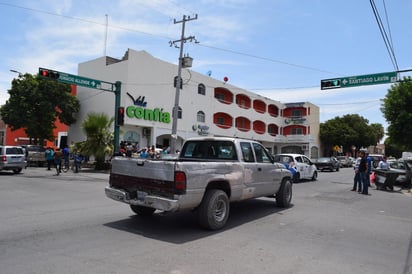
<point>201,116</point>
<point>297,131</point>
<point>297,113</point>
<point>220,121</point>
<point>261,154</point>
<point>220,150</point>
<point>247,152</point>
<point>201,89</point>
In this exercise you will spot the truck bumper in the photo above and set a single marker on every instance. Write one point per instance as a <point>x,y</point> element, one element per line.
<point>159,203</point>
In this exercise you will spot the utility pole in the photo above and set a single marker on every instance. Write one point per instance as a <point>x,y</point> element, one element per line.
<point>182,64</point>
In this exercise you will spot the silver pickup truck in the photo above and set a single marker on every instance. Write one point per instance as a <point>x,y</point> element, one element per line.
<point>208,174</point>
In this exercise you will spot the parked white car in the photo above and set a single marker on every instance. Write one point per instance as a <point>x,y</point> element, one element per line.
<point>305,168</point>
<point>12,158</point>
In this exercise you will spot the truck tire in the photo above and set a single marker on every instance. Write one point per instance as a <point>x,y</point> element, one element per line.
<point>142,210</point>
<point>214,209</point>
<point>284,195</point>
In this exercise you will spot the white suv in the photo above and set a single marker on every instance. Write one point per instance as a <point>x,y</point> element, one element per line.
<point>12,158</point>
<point>305,168</point>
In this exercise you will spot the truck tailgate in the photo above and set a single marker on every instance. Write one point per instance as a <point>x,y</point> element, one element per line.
<point>150,176</point>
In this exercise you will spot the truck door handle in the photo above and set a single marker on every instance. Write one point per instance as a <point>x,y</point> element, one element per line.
<point>140,163</point>
<point>259,169</point>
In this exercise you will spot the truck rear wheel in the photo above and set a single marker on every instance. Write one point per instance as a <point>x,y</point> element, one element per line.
<point>214,209</point>
<point>284,195</point>
<point>142,210</point>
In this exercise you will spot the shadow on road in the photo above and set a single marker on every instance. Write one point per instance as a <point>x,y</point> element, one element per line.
<point>182,227</point>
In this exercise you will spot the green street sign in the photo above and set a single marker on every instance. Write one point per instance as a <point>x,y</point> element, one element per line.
<point>360,80</point>
<point>79,80</point>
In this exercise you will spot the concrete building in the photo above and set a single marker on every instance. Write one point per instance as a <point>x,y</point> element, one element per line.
<point>207,107</point>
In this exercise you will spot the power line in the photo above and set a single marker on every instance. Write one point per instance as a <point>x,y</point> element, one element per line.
<point>82,20</point>
<point>351,103</point>
<point>269,59</point>
<point>168,38</point>
<point>385,38</point>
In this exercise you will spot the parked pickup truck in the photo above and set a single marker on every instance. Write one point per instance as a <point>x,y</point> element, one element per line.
<point>208,174</point>
<point>35,155</point>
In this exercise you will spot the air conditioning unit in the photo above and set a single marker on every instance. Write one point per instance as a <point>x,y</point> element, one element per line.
<point>305,147</point>
<point>146,131</point>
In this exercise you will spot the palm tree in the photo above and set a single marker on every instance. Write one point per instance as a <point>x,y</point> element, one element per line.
<point>99,143</point>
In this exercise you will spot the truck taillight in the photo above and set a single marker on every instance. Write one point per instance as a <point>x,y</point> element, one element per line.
<point>180,181</point>
<point>3,158</point>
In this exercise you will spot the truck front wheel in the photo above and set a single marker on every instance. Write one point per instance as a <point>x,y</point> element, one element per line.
<point>142,210</point>
<point>284,195</point>
<point>214,209</point>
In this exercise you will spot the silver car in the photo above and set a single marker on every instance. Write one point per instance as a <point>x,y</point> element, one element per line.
<point>345,161</point>
<point>12,158</point>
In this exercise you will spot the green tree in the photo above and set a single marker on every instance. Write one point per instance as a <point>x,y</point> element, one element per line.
<point>99,142</point>
<point>35,103</point>
<point>397,110</point>
<point>350,130</point>
<point>392,149</point>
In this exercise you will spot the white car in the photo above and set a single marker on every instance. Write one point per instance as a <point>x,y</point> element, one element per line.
<point>305,168</point>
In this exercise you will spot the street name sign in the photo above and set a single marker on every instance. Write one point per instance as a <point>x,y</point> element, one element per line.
<point>79,80</point>
<point>360,80</point>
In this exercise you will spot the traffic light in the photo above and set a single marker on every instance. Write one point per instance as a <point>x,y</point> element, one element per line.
<point>176,82</point>
<point>330,84</point>
<point>120,116</point>
<point>47,73</point>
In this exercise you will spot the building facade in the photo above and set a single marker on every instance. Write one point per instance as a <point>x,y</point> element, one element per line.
<point>207,107</point>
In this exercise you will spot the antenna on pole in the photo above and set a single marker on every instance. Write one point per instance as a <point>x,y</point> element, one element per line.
<point>105,35</point>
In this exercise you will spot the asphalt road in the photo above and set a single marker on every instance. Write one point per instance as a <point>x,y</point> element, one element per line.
<point>65,224</point>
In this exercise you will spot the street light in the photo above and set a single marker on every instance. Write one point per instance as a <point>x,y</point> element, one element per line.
<point>15,71</point>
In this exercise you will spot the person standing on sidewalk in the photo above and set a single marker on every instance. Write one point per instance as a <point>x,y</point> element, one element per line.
<point>357,183</point>
<point>368,174</point>
<point>363,171</point>
<point>66,155</point>
<point>49,153</point>
<point>58,156</point>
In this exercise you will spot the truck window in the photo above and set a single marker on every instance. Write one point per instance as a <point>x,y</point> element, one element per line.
<point>202,150</point>
<point>261,154</point>
<point>224,150</point>
<point>247,152</point>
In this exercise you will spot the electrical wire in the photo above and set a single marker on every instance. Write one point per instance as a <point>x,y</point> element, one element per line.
<point>83,20</point>
<point>169,38</point>
<point>268,59</point>
<point>386,40</point>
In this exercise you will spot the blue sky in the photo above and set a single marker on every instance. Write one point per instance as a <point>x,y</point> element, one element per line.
<point>279,49</point>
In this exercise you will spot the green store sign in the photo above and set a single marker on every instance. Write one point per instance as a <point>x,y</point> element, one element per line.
<point>156,115</point>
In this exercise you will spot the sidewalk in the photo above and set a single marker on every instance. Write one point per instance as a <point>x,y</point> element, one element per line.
<point>83,174</point>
